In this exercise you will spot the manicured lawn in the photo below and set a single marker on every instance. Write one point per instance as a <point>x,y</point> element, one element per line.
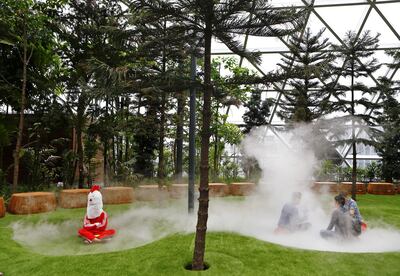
<point>227,253</point>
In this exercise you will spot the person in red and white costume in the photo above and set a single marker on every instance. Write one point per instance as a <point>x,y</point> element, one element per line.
<point>96,219</point>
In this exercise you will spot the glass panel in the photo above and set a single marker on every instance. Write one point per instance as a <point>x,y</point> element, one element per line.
<point>376,24</point>
<point>343,19</point>
<point>391,12</point>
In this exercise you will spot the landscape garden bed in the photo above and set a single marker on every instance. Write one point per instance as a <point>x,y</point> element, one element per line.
<point>325,187</point>
<point>381,188</point>
<point>73,198</point>
<point>118,195</point>
<point>151,193</point>
<point>242,188</point>
<point>347,187</point>
<point>218,189</point>
<point>178,190</point>
<point>2,207</point>
<point>32,203</point>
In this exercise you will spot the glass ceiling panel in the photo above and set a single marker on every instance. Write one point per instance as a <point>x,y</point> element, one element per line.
<point>391,12</point>
<point>382,58</point>
<point>396,76</point>
<point>269,62</point>
<point>321,2</point>
<point>315,25</point>
<point>286,3</point>
<point>341,16</point>
<point>343,19</point>
<point>376,24</point>
<point>265,44</point>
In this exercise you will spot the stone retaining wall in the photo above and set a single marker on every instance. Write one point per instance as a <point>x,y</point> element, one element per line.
<point>118,195</point>
<point>2,207</point>
<point>377,188</point>
<point>218,189</point>
<point>73,198</point>
<point>347,187</point>
<point>32,203</point>
<point>325,187</point>
<point>242,188</point>
<point>151,193</point>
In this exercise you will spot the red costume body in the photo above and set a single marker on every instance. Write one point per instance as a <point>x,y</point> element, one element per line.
<point>96,220</point>
<point>96,228</point>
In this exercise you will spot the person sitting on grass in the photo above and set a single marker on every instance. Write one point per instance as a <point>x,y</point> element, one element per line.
<point>351,207</point>
<point>340,224</point>
<point>290,219</point>
<point>96,220</point>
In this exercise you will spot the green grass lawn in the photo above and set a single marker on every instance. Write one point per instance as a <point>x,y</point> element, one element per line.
<point>227,253</point>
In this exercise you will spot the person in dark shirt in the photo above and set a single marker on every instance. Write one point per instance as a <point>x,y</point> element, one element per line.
<point>340,225</point>
<point>290,219</point>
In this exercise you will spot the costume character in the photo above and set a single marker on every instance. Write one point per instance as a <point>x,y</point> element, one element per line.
<point>96,219</point>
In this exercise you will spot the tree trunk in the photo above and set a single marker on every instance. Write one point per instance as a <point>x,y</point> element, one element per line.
<point>105,153</point>
<point>179,138</point>
<point>79,129</point>
<point>126,133</point>
<point>161,171</point>
<point>202,215</point>
<point>192,134</point>
<point>216,173</point>
<point>25,62</point>
<point>353,138</point>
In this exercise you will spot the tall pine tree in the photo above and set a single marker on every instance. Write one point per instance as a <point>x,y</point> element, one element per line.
<point>223,20</point>
<point>388,144</point>
<point>308,67</point>
<point>356,52</point>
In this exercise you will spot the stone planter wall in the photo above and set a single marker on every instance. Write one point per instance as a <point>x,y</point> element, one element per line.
<point>32,203</point>
<point>151,193</point>
<point>218,189</point>
<point>178,190</point>
<point>325,187</point>
<point>73,198</point>
<point>242,188</point>
<point>347,187</point>
<point>2,207</point>
<point>377,188</point>
<point>118,195</point>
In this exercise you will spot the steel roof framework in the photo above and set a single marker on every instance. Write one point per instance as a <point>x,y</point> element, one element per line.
<point>311,7</point>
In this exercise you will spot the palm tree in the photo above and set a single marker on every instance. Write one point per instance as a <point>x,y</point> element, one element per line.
<point>224,20</point>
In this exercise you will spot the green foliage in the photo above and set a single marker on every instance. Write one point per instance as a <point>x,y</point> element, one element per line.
<point>373,171</point>
<point>388,140</point>
<point>91,147</point>
<point>27,22</point>
<point>230,170</point>
<point>308,68</point>
<point>327,171</point>
<point>4,136</point>
<point>258,111</point>
<point>354,50</point>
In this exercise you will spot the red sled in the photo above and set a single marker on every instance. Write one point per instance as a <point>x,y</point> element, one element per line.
<point>363,227</point>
